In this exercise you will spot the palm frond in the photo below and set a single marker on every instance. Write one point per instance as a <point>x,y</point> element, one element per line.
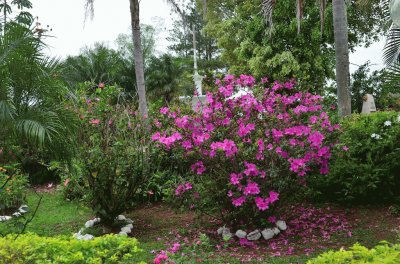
<point>391,51</point>
<point>89,9</point>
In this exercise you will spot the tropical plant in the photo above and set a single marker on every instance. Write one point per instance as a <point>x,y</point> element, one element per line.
<point>23,17</point>
<point>164,78</point>
<point>31,93</point>
<point>97,64</point>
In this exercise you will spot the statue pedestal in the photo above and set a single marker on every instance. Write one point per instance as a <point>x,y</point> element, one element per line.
<point>368,104</point>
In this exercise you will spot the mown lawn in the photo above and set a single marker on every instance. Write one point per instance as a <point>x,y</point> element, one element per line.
<point>157,227</point>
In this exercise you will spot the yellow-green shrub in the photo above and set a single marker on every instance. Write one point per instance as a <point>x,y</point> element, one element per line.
<point>383,253</point>
<point>31,248</point>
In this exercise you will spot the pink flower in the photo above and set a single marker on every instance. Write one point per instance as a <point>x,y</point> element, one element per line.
<point>175,248</point>
<point>238,201</point>
<point>261,203</point>
<point>345,148</point>
<point>160,258</point>
<point>164,110</point>
<point>94,121</point>
<point>251,189</point>
<point>198,167</point>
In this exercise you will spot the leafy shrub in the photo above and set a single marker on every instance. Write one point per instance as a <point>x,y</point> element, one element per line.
<point>245,151</point>
<point>383,253</point>
<point>116,150</point>
<point>15,183</point>
<point>366,165</point>
<point>31,248</point>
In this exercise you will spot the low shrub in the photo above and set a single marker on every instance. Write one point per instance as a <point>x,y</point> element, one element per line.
<point>15,184</point>
<point>31,248</point>
<point>115,148</point>
<point>247,150</point>
<point>366,164</point>
<point>383,253</point>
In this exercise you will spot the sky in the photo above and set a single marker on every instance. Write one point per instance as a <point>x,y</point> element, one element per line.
<point>70,32</point>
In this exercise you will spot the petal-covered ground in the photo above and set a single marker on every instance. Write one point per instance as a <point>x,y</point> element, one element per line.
<point>311,230</point>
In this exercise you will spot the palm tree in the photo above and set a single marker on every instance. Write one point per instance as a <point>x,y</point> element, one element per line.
<point>138,52</point>
<point>341,44</point>
<point>31,95</point>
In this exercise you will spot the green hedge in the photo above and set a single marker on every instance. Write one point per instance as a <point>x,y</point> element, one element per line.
<point>369,170</point>
<point>31,248</point>
<point>383,253</point>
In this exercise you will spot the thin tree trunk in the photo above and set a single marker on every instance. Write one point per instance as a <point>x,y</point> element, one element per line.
<point>138,54</point>
<point>342,56</point>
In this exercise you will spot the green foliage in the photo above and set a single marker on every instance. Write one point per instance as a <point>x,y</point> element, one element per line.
<point>31,248</point>
<point>165,78</point>
<point>31,96</point>
<point>116,150</point>
<point>383,253</point>
<point>15,183</point>
<point>242,36</point>
<point>369,170</point>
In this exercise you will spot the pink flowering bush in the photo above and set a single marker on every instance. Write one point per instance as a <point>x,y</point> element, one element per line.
<point>249,149</point>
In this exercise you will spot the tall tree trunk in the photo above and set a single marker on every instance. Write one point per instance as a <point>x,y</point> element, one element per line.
<point>342,56</point>
<point>138,53</point>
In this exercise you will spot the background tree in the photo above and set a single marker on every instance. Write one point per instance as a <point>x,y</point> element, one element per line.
<point>138,50</point>
<point>250,43</point>
<point>166,78</point>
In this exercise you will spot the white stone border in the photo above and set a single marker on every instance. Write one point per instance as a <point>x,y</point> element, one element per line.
<point>23,209</point>
<point>125,230</point>
<point>267,233</point>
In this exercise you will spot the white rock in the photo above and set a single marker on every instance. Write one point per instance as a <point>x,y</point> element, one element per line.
<point>281,225</point>
<point>16,214</point>
<point>255,235</point>
<point>22,211</point>
<point>126,229</point>
<point>4,218</point>
<point>268,233</point>
<point>121,218</point>
<point>240,233</point>
<point>223,230</point>
<point>89,223</point>
<point>128,221</point>
<point>122,233</point>
<point>276,230</point>
<point>24,207</point>
<point>96,220</point>
<point>129,225</point>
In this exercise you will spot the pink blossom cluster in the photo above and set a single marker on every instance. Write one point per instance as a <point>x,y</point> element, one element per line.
<point>182,188</point>
<point>271,129</point>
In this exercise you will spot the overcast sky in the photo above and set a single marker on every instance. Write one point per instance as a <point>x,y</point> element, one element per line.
<point>66,18</point>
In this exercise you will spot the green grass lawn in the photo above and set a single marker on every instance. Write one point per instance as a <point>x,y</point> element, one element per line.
<point>157,225</point>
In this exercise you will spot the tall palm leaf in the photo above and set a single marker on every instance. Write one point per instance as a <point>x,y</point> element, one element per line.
<point>31,95</point>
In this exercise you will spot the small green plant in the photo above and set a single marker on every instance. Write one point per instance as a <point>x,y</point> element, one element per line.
<point>13,193</point>
<point>31,248</point>
<point>383,253</point>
